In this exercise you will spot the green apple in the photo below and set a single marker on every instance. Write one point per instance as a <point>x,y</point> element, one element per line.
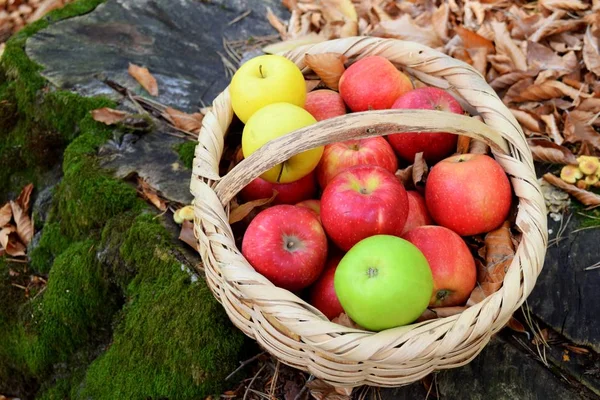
<point>383,282</point>
<point>265,80</point>
<point>271,122</point>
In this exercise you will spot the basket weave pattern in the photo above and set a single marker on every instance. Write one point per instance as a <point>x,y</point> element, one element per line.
<point>294,331</point>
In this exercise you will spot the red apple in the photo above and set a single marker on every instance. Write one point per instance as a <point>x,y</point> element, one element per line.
<point>434,145</point>
<point>417,212</point>
<point>324,104</point>
<point>451,263</point>
<point>287,245</point>
<point>322,293</point>
<point>340,156</point>
<point>372,83</point>
<point>363,201</point>
<point>468,193</point>
<point>287,193</point>
<point>313,205</point>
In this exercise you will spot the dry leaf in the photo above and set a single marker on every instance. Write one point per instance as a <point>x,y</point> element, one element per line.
<point>499,253</point>
<point>527,120</point>
<point>552,128</point>
<point>577,130</point>
<point>479,59</point>
<point>239,213</point>
<point>439,21</point>
<point>186,122</point>
<point>45,6</point>
<point>324,391</point>
<point>463,144</point>
<point>24,224</point>
<point>505,45</point>
<point>576,349</point>
<point>144,78</point>
<point>339,10</point>
<point>585,197</point>
<point>108,116</point>
<point>312,84</point>
<point>569,5</point>
<point>5,215</point>
<point>25,197</point>
<point>552,27</point>
<point>482,291</point>
<point>540,57</point>
<point>276,23</point>
<point>328,66</point>
<point>344,320</point>
<point>591,51</point>
<point>405,177</point>
<point>515,325</point>
<point>472,40</point>
<point>151,194</point>
<point>9,240</point>
<point>419,170</point>
<point>548,90</point>
<point>187,234</point>
<point>550,152</point>
<point>405,28</point>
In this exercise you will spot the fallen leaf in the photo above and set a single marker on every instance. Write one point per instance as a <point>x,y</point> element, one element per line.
<point>405,177</point>
<point>187,234</point>
<point>499,253</point>
<point>108,116</point>
<point>328,66</point>
<point>505,81</point>
<point>144,78</point>
<point>585,197</point>
<point>505,45</point>
<point>311,84</point>
<point>569,5</point>
<point>479,59</point>
<point>552,128</point>
<point>515,325</point>
<point>439,21</point>
<point>542,58</point>
<point>462,146</point>
<point>472,40</point>
<point>339,10</point>
<point>44,7</point>
<point>240,212</point>
<point>548,90</point>
<point>276,23</point>
<point>527,120</point>
<point>577,130</point>
<point>186,122</point>
<point>482,291</point>
<point>591,51</point>
<point>24,224</point>
<point>324,391</point>
<point>555,25</point>
<point>419,171</point>
<point>344,320</point>
<point>151,194</point>
<point>576,349</point>
<point>9,240</point>
<point>405,28</point>
<point>5,215</point>
<point>565,356</point>
<point>25,197</point>
<point>550,152</point>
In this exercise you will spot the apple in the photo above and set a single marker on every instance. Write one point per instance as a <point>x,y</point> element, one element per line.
<point>271,122</point>
<point>384,281</point>
<point>363,201</point>
<point>340,156</point>
<point>417,211</point>
<point>372,83</point>
<point>265,80</point>
<point>313,205</point>
<point>287,193</point>
<point>324,104</point>
<point>322,293</point>
<point>468,193</point>
<point>287,245</point>
<point>452,265</point>
<point>434,145</point>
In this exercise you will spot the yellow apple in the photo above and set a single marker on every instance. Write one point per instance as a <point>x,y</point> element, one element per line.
<point>271,122</point>
<point>265,80</point>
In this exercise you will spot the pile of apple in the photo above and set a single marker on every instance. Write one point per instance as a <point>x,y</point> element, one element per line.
<point>342,230</point>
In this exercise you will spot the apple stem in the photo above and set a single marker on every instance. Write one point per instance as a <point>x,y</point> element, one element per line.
<point>260,70</point>
<point>372,272</point>
<point>280,172</point>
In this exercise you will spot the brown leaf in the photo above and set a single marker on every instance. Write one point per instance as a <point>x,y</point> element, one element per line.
<point>549,90</point>
<point>25,197</point>
<point>482,291</point>
<point>144,78</point>
<point>507,80</point>
<point>472,40</point>
<point>462,146</point>
<point>151,194</point>
<point>505,45</point>
<point>499,253</point>
<point>577,130</point>
<point>405,28</point>
<point>405,177</point>
<point>591,51</point>
<point>9,240</point>
<point>187,234</point>
<point>552,128</point>
<point>276,23</point>
<point>324,391</point>
<point>328,66</point>
<point>239,213</point>
<point>5,215</point>
<point>44,7</point>
<point>542,58</point>
<point>550,152</point>
<point>344,320</point>
<point>186,122</point>
<point>439,21</point>
<point>527,120</point>
<point>576,349</point>
<point>339,10</point>
<point>419,170</point>
<point>585,197</point>
<point>108,116</point>
<point>479,59</point>
<point>24,224</point>
<point>515,325</point>
<point>569,5</point>
<point>554,25</point>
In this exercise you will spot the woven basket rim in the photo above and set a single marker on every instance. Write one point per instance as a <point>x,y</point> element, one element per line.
<point>281,328</point>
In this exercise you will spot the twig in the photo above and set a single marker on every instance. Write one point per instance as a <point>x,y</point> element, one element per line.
<point>274,380</point>
<point>252,381</point>
<point>239,18</point>
<point>305,388</point>
<point>586,228</point>
<point>588,216</point>
<point>242,365</point>
<point>593,266</point>
<point>17,260</point>
<point>40,292</point>
<point>19,286</point>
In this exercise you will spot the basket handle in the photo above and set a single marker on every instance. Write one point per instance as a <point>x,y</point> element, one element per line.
<point>352,126</point>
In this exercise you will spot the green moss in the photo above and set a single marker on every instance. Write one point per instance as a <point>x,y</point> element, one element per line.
<point>52,243</point>
<point>186,153</point>
<point>74,307</point>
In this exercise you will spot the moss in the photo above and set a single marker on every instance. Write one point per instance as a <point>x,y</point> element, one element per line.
<point>52,243</point>
<point>186,153</point>
<point>75,306</point>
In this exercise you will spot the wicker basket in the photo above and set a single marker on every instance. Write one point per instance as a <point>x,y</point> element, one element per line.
<point>295,332</point>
